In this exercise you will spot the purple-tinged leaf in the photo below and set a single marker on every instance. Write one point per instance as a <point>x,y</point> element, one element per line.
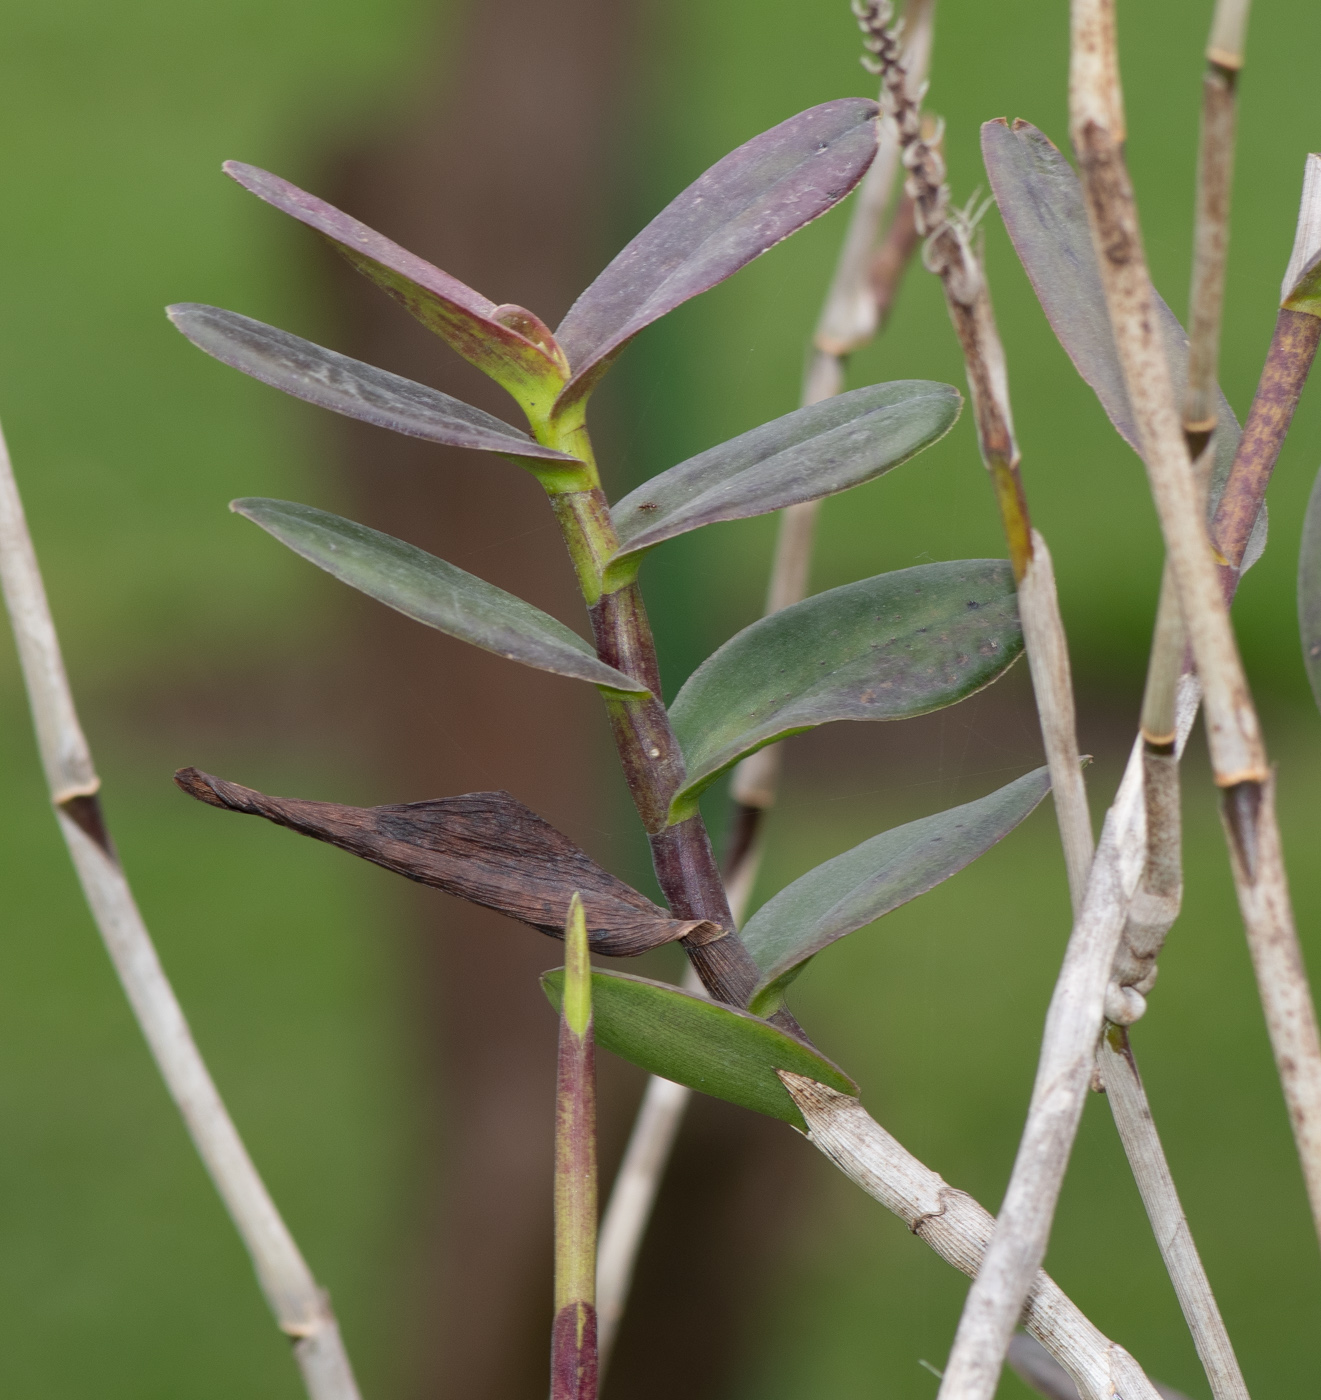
<point>1041,203</point>
<point>330,380</point>
<point>746,203</point>
<point>888,647</point>
<point>704,1044</point>
<point>1309,589</point>
<point>814,452</point>
<point>433,592</point>
<point>508,342</point>
<point>875,878</point>
<point>485,847</point>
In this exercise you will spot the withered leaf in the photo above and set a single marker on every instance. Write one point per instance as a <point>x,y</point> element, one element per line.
<point>485,847</point>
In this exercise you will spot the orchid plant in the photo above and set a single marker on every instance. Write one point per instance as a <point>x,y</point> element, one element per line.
<point>884,648</point>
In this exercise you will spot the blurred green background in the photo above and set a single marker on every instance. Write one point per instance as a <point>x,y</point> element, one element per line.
<point>118,1270</point>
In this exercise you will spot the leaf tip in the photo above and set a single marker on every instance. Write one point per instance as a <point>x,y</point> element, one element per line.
<point>200,785</point>
<point>576,1008</point>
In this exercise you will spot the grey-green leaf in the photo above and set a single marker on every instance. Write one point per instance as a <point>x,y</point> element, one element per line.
<point>715,1049</point>
<point>858,887</point>
<point>1309,589</point>
<point>330,380</point>
<point>888,647</point>
<point>803,456</point>
<point>425,588</point>
<point>1041,203</point>
<point>745,204</point>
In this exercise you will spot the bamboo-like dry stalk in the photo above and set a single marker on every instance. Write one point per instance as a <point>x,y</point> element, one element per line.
<point>1077,1010</point>
<point>1036,1368</point>
<point>1128,1099</point>
<point>1215,174</point>
<point>1238,761</point>
<point>1237,752</point>
<point>302,1309</point>
<point>959,1230</point>
<point>1097,129</point>
<point>1157,899</point>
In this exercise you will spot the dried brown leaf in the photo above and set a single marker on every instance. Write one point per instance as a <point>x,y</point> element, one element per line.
<point>485,847</point>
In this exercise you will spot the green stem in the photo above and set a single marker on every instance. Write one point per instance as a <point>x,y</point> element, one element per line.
<point>1293,348</point>
<point>653,763</point>
<point>573,1365</point>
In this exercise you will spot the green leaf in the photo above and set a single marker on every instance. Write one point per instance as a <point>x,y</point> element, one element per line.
<point>330,380</point>
<point>803,456</point>
<point>715,1049</point>
<point>886,648</point>
<point>745,204</point>
<point>429,590</point>
<point>858,887</point>
<point>1041,202</point>
<point>1309,589</point>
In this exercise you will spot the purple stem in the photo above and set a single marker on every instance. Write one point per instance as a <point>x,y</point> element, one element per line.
<point>1293,348</point>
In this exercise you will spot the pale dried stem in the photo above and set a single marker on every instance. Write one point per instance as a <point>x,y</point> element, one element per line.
<point>1160,892</point>
<point>1238,759</point>
<point>1037,1369</point>
<point>850,314</point>
<point>1128,1100</point>
<point>633,1195</point>
<point>1237,754</point>
<point>1277,960</point>
<point>1215,173</point>
<point>1052,684</point>
<point>631,1201</point>
<point>1228,27</point>
<point>1169,645</point>
<point>301,1308</point>
<point>958,1229</point>
<point>1084,994</point>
